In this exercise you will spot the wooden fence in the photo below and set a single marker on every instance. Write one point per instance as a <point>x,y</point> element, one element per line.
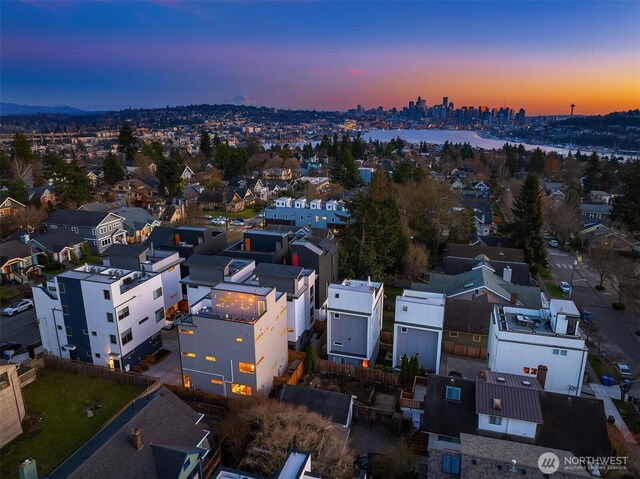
<point>386,341</point>
<point>291,376</point>
<point>365,374</point>
<point>219,403</point>
<point>462,350</point>
<point>102,372</point>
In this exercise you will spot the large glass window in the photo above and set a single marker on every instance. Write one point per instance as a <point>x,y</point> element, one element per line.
<point>127,336</point>
<point>241,389</point>
<point>247,368</point>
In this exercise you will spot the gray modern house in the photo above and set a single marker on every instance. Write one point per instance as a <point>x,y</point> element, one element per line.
<point>234,341</point>
<point>315,213</point>
<point>98,228</point>
<point>354,321</point>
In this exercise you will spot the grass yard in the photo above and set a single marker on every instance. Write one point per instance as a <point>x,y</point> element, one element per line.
<point>554,290</point>
<point>629,414</point>
<point>8,294</point>
<point>391,292</point>
<point>596,364</point>
<point>245,214</point>
<point>57,403</point>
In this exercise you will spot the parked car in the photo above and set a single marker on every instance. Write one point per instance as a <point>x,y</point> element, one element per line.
<point>18,307</point>
<point>261,214</point>
<point>252,224</point>
<point>546,236</point>
<point>623,370</point>
<point>220,220</point>
<point>208,217</point>
<point>553,243</point>
<point>586,316</point>
<point>237,222</point>
<point>565,287</point>
<point>173,319</point>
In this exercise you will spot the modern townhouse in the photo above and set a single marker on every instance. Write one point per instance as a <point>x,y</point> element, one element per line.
<point>354,321</point>
<point>315,213</point>
<point>101,315</point>
<point>99,229</point>
<point>530,342</point>
<point>417,329</point>
<point>234,341</point>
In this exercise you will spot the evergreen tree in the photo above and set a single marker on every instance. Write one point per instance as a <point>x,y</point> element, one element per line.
<point>406,171</point>
<point>592,174</point>
<point>358,148</point>
<point>310,359</point>
<point>626,207</point>
<point>536,162</point>
<point>168,173</point>
<point>414,367</point>
<point>375,242</point>
<point>404,370</point>
<point>112,168</point>
<point>18,191</point>
<point>127,142</point>
<point>512,159</point>
<point>527,227</point>
<point>205,146</point>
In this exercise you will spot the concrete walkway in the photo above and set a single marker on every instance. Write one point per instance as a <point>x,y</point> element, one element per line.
<point>606,394</point>
<point>168,370</point>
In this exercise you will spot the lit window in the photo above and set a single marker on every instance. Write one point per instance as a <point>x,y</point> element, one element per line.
<point>525,370</point>
<point>289,330</point>
<point>188,355</point>
<point>186,379</point>
<point>241,389</point>
<point>476,338</point>
<point>171,269</point>
<point>238,340</point>
<point>185,331</point>
<point>216,381</point>
<point>247,368</point>
<point>210,358</point>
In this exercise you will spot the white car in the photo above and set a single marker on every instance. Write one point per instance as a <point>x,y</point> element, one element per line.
<point>172,320</point>
<point>565,287</point>
<point>18,307</point>
<point>623,370</point>
<point>220,220</point>
<point>553,243</point>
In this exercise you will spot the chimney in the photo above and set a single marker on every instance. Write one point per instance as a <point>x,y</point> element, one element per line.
<point>542,375</point>
<point>25,238</point>
<point>514,298</point>
<point>176,239</point>
<point>506,274</point>
<point>136,437</point>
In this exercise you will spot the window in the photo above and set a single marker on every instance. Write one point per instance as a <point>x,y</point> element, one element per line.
<point>159,315</point>
<point>185,331</point>
<point>241,389</point>
<point>69,331</point>
<point>143,320</point>
<point>453,334</point>
<point>560,352</point>
<point>97,355</point>
<point>61,287</point>
<point>105,242</point>
<point>238,340</point>
<point>216,381</point>
<point>451,464</point>
<point>525,370</point>
<point>336,295</point>
<point>289,330</point>
<point>157,293</point>
<point>93,333</point>
<point>65,309</point>
<point>338,343</point>
<point>127,336</point>
<point>405,308</point>
<point>495,420</point>
<point>156,338</point>
<point>188,354</point>
<point>107,294</point>
<point>85,332</point>
<point>404,329</point>
<point>210,358</point>
<point>336,315</point>
<point>103,230</point>
<point>123,313</point>
<point>60,327</point>
<point>110,317</point>
<point>89,354</point>
<point>453,393</point>
<point>93,232</point>
<point>74,229</point>
<point>476,338</point>
<point>247,368</point>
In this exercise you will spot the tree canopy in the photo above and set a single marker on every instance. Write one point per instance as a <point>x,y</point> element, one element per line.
<point>626,207</point>
<point>528,222</point>
<point>112,168</point>
<point>127,142</point>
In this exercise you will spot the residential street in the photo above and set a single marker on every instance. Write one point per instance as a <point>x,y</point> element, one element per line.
<point>21,328</point>
<point>616,326</point>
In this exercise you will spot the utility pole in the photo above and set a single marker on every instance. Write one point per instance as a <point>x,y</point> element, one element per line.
<point>577,259</point>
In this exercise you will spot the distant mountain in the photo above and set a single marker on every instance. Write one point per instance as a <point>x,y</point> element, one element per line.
<point>15,109</point>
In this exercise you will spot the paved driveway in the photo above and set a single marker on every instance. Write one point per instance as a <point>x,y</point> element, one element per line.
<point>168,370</point>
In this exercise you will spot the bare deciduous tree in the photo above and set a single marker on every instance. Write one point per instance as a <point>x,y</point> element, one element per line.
<point>417,261</point>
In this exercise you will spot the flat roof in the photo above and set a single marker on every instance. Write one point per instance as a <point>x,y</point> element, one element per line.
<point>565,306</point>
<point>357,284</point>
<point>294,465</point>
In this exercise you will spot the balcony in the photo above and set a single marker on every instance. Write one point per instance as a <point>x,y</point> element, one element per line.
<point>414,398</point>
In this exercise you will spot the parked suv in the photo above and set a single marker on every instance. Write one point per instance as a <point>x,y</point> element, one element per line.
<point>173,319</point>
<point>18,307</point>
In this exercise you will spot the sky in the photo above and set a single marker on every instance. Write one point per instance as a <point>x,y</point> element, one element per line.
<point>109,54</point>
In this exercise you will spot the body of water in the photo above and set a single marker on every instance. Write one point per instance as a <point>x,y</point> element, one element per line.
<point>439,137</point>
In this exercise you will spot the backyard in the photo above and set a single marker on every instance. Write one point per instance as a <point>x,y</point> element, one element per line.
<point>56,405</point>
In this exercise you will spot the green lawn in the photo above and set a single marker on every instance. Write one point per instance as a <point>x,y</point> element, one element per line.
<point>391,292</point>
<point>245,214</point>
<point>629,414</point>
<point>597,366</point>
<point>60,400</point>
<point>554,290</point>
<point>8,294</point>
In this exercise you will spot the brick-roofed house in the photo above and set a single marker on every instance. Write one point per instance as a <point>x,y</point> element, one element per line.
<point>157,436</point>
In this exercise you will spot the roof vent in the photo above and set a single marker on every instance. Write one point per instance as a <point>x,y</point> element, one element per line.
<point>500,379</point>
<point>497,404</point>
<point>526,383</point>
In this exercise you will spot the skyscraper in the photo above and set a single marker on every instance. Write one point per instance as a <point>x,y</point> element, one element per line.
<point>445,101</point>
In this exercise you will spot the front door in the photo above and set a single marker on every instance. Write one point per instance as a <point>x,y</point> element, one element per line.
<point>116,364</point>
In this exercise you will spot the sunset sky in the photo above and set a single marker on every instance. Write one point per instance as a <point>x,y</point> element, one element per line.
<point>541,56</point>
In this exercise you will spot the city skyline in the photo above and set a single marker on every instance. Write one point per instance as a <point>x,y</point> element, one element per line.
<point>539,56</point>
